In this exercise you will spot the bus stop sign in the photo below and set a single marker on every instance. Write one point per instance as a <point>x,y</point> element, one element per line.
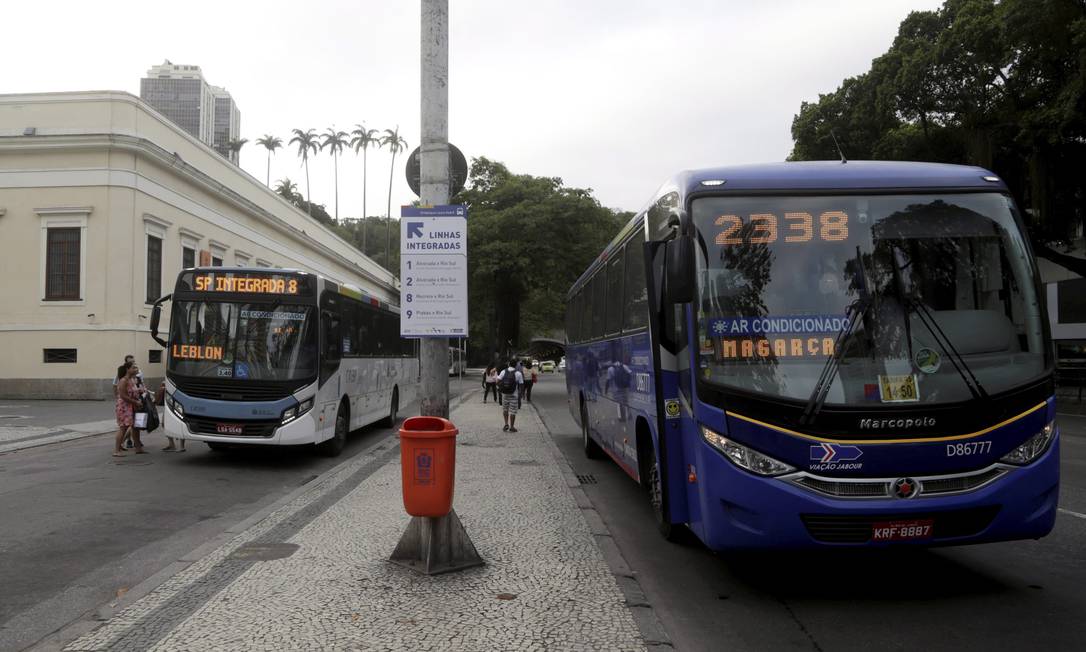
<point>458,171</point>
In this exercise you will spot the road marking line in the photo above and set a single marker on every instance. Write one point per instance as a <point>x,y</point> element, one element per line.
<point>1075,514</point>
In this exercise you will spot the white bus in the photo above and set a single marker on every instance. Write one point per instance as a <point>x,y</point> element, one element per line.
<point>280,357</point>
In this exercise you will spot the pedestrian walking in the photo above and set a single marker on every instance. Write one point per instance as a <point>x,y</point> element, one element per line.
<point>128,359</point>
<point>509,382</point>
<point>529,382</point>
<point>128,400</point>
<point>490,383</point>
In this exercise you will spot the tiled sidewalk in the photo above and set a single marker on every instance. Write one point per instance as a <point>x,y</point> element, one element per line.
<point>545,585</point>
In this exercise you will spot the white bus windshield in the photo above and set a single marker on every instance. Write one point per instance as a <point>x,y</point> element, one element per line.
<point>930,281</point>
<point>245,341</point>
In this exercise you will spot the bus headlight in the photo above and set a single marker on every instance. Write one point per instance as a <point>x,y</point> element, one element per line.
<point>290,414</point>
<point>745,457</point>
<point>1032,448</point>
<point>175,407</point>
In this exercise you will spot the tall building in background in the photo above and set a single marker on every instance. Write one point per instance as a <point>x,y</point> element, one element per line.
<point>227,123</point>
<point>205,112</point>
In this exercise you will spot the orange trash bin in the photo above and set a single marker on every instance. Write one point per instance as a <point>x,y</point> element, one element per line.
<point>428,465</point>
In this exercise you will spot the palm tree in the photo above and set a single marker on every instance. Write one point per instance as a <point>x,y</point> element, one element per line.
<point>287,189</point>
<point>396,144</point>
<point>361,139</point>
<point>234,147</point>
<point>334,141</point>
<point>307,144</point>
<point>271,143</point>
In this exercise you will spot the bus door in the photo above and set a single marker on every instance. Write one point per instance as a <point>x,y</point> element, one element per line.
<point>670,362</point>
<point>330,386</point>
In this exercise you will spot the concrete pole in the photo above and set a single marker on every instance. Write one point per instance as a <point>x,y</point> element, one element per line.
<point>434,181</point>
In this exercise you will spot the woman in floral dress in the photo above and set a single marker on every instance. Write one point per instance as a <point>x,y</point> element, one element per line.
<point>128,400</point>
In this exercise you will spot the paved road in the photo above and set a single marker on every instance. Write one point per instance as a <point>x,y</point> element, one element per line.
<point>77,526</point>
<point>1020,595</point>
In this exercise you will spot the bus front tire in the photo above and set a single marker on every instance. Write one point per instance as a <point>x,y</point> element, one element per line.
<point>334,446</point>
<point>591,448</point>
<point>657,496</point>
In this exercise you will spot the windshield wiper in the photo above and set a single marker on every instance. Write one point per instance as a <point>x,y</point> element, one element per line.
<point>913,304</point>
<point>857,310</point>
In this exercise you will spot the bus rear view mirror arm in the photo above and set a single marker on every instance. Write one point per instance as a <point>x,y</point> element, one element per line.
<point>156,317</point>
<point>679,269</point>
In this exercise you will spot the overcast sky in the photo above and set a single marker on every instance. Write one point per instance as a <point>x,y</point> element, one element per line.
<point>613,95</point>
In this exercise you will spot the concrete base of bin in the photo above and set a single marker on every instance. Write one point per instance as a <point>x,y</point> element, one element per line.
<point>436,545</point>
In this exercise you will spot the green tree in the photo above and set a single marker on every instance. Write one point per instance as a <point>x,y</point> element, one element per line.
<point>999,84</point>
<point>287,189</point>
<point>307,144</point>
<point>361,139</point>
<point>529,238</point>
<point>395,144</point>
<point>270,143</point>
<point>334,141</point>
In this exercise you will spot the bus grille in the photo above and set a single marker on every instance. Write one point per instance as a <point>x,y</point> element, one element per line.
<point>857,529</point>
<point>232,390</point>
<point>205,426</point>
<point>880,487</point>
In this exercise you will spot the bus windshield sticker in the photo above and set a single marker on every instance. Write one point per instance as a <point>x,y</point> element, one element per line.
<point>899,389</point>
<point>224,372</point>
<point>273,314</point>
<point>241,370</point>
<point>927,360</point>
<point>785,324</point>
<point>671,408</point>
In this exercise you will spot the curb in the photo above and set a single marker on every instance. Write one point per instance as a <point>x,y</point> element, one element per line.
<point>17,445</point>
<point>652,630</point>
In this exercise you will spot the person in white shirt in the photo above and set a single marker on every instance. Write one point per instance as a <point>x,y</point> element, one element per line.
<point>509,383</point>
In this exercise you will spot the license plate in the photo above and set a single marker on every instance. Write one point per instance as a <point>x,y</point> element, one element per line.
<point>228,428</point>
<point>902,530</point>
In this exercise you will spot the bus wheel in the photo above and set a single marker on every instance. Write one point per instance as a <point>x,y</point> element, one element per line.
<point>657,496</point>
<point>393,409</point>
<point>334,446</point>
<point>591,448</point>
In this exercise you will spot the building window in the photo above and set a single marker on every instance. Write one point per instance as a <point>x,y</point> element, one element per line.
<point>62,264</point>
<point>188,257</point>
<point>154,268</point>
<point>241,261</point>
<point>58,355</point>
<point>216,261</point>
<point>154,356</point>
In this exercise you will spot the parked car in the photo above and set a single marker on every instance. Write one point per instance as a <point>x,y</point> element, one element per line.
<point>547,366</point>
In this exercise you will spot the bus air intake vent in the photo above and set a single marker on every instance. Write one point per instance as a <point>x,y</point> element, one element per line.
<point>233,390</point>
<point>854,489</point>
<point>959,484</point>
<point>841,528</point>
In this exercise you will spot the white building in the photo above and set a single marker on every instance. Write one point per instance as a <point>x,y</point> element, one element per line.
<point>102,202</point>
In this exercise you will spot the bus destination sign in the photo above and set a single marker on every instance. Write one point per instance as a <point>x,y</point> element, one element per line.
<point>246,284</point>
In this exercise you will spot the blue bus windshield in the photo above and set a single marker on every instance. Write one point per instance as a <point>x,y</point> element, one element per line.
<point>937,275</point>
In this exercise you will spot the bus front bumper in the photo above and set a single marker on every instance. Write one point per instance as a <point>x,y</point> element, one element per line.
<point>744,511</point>
<point>299,431</point>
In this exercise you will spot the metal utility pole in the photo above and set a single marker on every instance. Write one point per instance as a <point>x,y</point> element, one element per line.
<point>434,181</point>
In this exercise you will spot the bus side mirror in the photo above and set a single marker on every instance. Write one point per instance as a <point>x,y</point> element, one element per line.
<point>156,317</point>
<point>679,270</point>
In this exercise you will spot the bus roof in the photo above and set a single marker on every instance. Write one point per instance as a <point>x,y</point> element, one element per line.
<point>835,175</point>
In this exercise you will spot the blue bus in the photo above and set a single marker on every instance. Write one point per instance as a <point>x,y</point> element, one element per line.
<point>823,354</point>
